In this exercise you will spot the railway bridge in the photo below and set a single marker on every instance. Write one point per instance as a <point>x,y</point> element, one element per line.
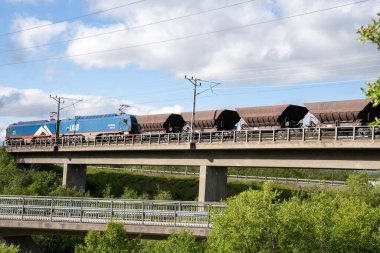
<point>320,147</point>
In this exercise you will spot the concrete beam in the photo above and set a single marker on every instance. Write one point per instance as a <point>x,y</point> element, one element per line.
<point>212,183</point>
<point>357,158</point>
<point>74,175</point>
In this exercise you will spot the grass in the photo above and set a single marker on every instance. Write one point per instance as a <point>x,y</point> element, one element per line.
<point>181,188</point>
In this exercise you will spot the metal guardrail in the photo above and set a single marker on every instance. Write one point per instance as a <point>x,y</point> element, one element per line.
<point>84,210</point>
<point>261,135</point>
<point>238,177</point>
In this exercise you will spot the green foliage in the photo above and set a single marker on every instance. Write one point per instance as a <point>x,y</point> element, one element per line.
<point>163,195</point>
<point>9,249</point>
<point>107,191</point>
<point>323,221</point>
<point>248,224</point>
<point>321,174</point>
<point>356,227</point>
<point>372,33</point>
<point>180,242</point>
<point>129,194</point>
<point>57,244</point>
<point>69,192</point>
<point>113,240</point>
<point>8,169</point>
<point>144,185</point>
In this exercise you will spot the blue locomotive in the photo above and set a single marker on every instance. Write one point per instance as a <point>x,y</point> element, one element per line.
<point>80,127</point>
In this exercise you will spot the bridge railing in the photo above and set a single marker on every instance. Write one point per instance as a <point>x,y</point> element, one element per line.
<point>84,210</point>
<point>261,135</point>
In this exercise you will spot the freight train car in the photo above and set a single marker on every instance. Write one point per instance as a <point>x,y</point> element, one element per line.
<point>356,112</point>
<point>78,128</point>
<point>161,123</point>
<point>212,120</point>
<point>278,116</point>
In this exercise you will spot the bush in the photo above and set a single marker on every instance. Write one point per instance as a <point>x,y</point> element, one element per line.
<point>321,221</point>
<point>9,248</point>
<point>180,242</point>
<point>129,194</point>
<point>113,240</point>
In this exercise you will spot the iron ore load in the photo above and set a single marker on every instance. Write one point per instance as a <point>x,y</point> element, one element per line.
<point>278,118</point>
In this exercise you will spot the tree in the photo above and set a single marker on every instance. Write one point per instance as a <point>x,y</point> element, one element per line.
<point>113,240</point>
<point>355,227</point>
<point>129,194</point>
<point>249,224</point>
<point>163,195</point>
<point>372,33</point>
<point>9,248</point>
<point>107,192</point>
<point>8,169</point>
<point>180,242</point>
<point>321,221</point>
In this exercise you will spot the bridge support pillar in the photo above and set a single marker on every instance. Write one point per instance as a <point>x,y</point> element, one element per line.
<point>74,175</point>
<point>212,183</point>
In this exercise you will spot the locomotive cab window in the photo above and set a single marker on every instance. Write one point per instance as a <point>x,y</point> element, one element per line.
<point>8,129</point>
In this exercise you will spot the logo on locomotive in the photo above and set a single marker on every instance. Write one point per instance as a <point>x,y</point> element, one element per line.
<point>73,128</point>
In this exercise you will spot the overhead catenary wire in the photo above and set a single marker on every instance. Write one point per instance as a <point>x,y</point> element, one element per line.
<point>184,37</point>
<point>127,28</point>
<point>324,62</point>
<point>276,89</point>
<point>73,18</point>
<point>266,76</point>
<point>271,75</point>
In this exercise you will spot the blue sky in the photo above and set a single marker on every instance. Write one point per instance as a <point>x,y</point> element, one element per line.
<point>309,58</point>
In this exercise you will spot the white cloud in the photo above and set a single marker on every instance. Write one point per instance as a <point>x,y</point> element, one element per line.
<point>31,38</point>
<point>32,104</point>
<point>299,44</point>
<point>35,103</point>
<point>31,2</point>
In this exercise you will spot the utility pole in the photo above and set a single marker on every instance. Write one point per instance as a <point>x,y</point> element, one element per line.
<point>196,82</point>
<point>60,100</point>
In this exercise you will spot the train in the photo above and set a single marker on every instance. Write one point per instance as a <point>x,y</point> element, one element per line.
<point>111,127</point>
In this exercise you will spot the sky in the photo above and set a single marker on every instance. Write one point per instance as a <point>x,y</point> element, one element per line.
<point>137,52</point>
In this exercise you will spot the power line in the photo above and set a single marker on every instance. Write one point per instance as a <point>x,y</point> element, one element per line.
<point>184,37</point>
<point>307,84</point>
<point>287,66</point>
<point>278,88</point>
<point>128,28</point>
<point>70,19</point>
<point>258,77</point>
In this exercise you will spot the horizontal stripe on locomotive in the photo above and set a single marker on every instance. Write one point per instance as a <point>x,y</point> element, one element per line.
<point>63,135</point>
